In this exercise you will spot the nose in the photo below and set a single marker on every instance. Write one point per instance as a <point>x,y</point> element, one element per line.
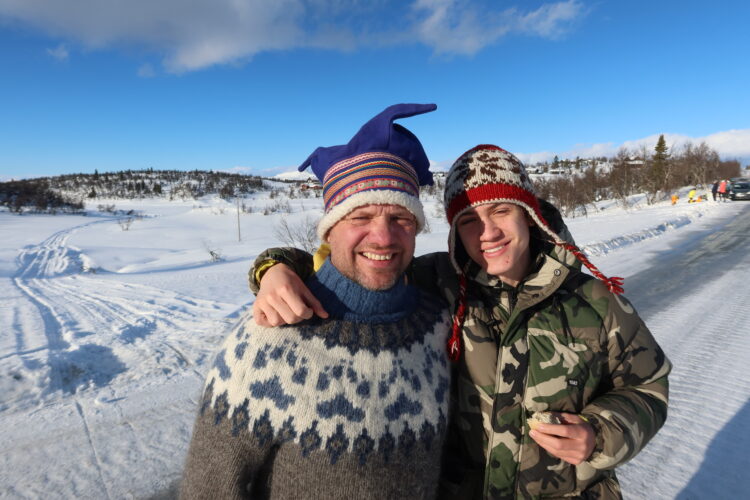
<point>382,231</point>
<point>490,230</point>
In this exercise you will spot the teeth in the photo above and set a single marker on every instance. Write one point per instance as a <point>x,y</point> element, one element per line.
<point>495,249</point>
<point>377,256</point>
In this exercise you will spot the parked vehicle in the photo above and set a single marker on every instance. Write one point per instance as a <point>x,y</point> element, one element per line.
<point>739,189</point>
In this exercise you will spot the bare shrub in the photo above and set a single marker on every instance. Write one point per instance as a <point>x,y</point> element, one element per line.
<point>247,209</point>
<point>302,234</point>
<point>565,192</point>
<point>278,206</point>
<point>214,254</point>
<point>125,223</point>
<point>439,212</point>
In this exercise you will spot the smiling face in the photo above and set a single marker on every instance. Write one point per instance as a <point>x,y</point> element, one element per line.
<point>496,236</point>
<point>373,244</point>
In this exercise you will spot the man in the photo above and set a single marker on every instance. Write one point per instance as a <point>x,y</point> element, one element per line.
<point>356,405</point>
<point>533,335</point>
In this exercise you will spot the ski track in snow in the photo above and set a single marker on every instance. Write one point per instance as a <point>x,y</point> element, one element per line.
<point>91,358</point>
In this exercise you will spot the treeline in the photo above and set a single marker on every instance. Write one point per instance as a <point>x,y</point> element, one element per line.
<point>69,191</point>
<point>150,183</point>
<point>657,173</point>
<point>36,195</point>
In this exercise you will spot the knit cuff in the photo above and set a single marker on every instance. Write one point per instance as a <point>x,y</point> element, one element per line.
<point>264,266</point>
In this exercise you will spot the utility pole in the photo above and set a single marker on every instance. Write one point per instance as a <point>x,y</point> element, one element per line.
<point>239,234</point>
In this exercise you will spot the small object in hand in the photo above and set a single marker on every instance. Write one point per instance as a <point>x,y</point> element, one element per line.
<point>543,417</point>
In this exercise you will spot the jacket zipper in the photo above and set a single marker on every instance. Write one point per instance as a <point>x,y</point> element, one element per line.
<point>510,326</point>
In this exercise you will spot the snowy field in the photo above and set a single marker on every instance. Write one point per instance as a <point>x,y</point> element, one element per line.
<point>105,334</point>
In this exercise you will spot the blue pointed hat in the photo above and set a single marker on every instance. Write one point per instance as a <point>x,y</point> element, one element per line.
<point>384,163</point>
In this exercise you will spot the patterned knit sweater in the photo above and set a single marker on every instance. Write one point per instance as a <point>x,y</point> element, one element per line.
<point>353,406</point>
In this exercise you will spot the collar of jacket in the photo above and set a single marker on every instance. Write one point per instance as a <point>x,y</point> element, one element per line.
<point>548,275</point>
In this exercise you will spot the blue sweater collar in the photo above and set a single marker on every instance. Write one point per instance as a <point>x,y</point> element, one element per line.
<point>345,299</point>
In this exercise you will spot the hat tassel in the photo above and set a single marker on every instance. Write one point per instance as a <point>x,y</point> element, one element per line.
<point>454,343</point>
<point>614,283</point>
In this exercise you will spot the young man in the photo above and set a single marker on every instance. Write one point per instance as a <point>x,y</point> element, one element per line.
<point>531,334</point>
<point>356,405</point>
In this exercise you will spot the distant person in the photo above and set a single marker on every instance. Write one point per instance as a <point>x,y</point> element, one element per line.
<point>674,199</point>
<point>532,333</point>
<point>691,196</point>
<point>722,190</point>
<point>714,189</point>
<point>355,405</point>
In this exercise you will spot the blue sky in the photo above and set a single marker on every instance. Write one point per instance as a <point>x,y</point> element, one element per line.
<point>256,85</point>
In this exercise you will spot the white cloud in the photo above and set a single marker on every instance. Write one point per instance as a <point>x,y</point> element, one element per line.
<point>552,20</point>
<point>288,171</point>
<point>239,170</point>
<point>146,71</point>
<point>60,52</point>
<point>463,27</point>
<point>729,144</point>
<point>201,33</point>
<point>441,166</point>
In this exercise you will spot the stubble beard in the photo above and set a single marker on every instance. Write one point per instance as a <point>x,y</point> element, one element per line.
<point>373,281</point>
<point>375,285</point>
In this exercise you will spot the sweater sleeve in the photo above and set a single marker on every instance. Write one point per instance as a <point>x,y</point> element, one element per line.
<point>634,406</point>
<point>222,464</point>
<point>299,260</point>
<point>230,456</point>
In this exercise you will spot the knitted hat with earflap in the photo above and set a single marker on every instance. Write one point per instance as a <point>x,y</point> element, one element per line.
<point>383,164</point>
<point>489,174</point>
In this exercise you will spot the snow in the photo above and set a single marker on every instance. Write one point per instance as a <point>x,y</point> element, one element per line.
<point>106,334</point>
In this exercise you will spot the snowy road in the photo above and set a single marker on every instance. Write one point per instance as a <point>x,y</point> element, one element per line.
<point>696,300</point>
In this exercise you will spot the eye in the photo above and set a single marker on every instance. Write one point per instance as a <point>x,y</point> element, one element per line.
<point>359,220</point>
<point>466,220</point>
<point>406,221</point>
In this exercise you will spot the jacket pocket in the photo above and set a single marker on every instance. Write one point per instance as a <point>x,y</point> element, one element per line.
<point>562,372</point>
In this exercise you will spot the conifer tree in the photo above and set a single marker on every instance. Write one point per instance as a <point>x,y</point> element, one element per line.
<point>659,169</point>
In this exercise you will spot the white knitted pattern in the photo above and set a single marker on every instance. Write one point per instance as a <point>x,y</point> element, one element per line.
<point>486,166</point>
<point>312,355</point>
<point>371,197</point>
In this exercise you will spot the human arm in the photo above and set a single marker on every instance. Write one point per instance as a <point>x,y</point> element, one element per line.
<point>632,405</point>
<point>224,458</point>
<point>218,464</point>
<point>299,260</point>
<point>282,297</point>
<point>227,458</point>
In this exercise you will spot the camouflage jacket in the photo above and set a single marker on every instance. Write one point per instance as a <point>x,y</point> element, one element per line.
<point>558,341</point>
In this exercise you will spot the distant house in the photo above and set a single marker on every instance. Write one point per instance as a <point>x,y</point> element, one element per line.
<point>313,184</point>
